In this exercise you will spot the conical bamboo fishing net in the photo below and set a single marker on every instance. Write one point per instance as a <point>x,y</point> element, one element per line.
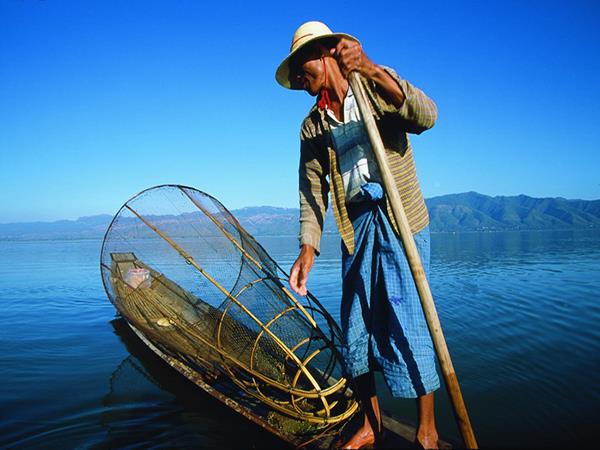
<point>179,268</point>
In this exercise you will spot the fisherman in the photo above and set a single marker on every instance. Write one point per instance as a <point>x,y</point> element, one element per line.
<point>382,320</point>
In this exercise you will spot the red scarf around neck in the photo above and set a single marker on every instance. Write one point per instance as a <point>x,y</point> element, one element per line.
<point>323,102</point>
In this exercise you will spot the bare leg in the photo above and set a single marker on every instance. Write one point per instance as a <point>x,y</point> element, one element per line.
<point>370,431</point>
<point>427,436</point>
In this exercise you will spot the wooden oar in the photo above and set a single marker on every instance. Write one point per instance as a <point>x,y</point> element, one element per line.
<point>416,267</point>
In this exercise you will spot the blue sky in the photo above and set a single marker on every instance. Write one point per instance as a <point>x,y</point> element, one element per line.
<point>101,99</point>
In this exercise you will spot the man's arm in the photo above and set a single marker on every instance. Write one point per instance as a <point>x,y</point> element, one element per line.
<point>396,96</point>
<point>314,190</point>
<point>418,112</point>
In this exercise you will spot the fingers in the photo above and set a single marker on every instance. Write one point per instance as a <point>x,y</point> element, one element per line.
<point>298,278</point>
<point>294,277</point>
<point>302,279</point>
<point>301,268</point>
<point>349,56</point>
<point>344,44</point>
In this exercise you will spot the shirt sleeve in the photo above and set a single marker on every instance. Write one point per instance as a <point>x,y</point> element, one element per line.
<point>314,190</point>
<point>418,112</point>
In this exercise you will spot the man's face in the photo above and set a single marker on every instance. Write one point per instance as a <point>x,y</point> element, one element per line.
<point>306,69</point>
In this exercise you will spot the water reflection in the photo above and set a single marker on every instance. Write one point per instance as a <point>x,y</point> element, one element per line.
<point>520,312</point>
<point>150,404</point>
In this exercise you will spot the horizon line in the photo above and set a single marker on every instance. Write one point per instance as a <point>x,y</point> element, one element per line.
<point>290,207</point>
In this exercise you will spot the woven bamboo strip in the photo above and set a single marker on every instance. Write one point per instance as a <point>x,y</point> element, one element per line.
<point>191,260</point>
<point>244,252</point>
<point>312,418</point>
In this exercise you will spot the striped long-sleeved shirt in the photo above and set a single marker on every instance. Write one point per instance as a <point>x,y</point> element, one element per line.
<point>319,171</point>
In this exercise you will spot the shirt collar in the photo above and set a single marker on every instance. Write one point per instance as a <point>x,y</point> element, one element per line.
<point>349,96</point>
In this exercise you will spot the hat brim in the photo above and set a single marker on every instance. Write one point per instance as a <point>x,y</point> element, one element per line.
<point>282,75</point>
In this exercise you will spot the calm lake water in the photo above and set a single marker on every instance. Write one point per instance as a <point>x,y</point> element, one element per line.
<point>520,312</point>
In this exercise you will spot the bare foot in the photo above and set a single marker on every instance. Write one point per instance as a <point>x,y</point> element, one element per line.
<point>363,437</point>
<point>427,441</point>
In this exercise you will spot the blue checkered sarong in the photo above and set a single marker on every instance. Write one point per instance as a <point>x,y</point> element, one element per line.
<point>382,319</point>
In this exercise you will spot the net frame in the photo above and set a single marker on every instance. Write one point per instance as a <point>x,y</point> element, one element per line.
<point>297,396</point>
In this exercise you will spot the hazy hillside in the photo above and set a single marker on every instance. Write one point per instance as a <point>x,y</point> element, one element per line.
<point>469,211</point>
<point>268,220</point>
<point>82,228</point>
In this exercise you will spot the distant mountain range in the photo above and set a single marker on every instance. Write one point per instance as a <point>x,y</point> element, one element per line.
<point>476,212</point>
<point>91,227</point>
<point>469,211</point>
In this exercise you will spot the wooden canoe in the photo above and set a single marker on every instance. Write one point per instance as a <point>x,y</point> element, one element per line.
<point>398,434</point>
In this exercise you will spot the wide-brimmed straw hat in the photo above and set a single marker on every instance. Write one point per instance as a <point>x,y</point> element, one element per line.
<point>306,33</point>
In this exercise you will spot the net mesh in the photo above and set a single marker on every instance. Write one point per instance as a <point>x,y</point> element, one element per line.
<point>179,267</point>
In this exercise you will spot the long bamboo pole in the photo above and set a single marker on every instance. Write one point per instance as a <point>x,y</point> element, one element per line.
<point>416,266</point>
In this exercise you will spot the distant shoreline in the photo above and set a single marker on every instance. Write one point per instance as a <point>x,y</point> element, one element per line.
<point>469,212</point>
<point>325,235</point>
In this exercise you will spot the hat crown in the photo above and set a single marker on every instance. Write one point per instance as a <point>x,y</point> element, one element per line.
<point>308,31</point>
